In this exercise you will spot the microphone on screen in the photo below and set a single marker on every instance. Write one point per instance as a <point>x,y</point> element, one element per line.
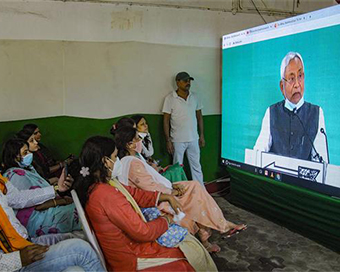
<point>322,130</point>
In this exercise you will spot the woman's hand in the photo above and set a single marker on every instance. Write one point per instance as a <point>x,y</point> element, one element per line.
<point>168,218</point>
<point>66,200</point>
<point>172,201</point>
<point>155,166</point>
<point>175,204</point>
<point>46,205</point>
<point>54,203</point>
<point>178,189</point>
<point>64,184</point>
<point>174,192</point>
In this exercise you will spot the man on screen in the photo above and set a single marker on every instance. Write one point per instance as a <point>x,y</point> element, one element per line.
<point>293,127</point>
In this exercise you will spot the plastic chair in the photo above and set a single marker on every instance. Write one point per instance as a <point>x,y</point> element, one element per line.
<point>89,234</point>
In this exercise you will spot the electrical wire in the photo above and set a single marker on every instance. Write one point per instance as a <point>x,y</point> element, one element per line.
<point>258,11</point>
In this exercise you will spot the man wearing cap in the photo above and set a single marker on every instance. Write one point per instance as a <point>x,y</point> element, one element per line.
<point>182,112</point>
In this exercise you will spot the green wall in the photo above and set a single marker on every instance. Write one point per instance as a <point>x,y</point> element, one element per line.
<point>65,135</point>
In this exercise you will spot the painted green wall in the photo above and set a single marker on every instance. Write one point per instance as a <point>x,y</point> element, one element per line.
<point>65,135</point>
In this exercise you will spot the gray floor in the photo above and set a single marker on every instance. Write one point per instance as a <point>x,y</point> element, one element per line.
<point>266,246</point>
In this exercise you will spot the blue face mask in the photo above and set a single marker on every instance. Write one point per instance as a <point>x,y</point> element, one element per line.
<point>26,161</point>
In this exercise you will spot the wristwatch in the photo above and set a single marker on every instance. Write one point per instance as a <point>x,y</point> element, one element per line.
<point>56,188</point>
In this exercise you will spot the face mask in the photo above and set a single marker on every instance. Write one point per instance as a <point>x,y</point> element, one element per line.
<point>291,106</point>
<point>139,147</point>
<point>117,169</point>
<point>26,161</point>
<point>143,134</point>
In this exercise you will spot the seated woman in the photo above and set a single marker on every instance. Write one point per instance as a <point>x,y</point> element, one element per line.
<point>143,132</point>
<point>47,213</point>
<point>127,241</point>
<point>33,147</point>
<point>43,161</point>
<point>202,212</point>
<point>171,172</point>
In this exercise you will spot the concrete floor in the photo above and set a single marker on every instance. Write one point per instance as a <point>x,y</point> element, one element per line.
<point>266,246</point>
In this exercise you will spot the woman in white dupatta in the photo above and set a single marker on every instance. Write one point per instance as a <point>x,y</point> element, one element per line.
<point>202,212</point>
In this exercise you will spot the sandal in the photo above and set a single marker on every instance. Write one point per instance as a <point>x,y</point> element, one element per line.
<point>235,230</point>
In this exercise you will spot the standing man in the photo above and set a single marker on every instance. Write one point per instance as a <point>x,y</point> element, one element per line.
<point>182,112</point>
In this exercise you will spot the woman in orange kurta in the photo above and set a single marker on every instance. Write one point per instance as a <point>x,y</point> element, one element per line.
<point>202,212</point>
<point>128,243</point>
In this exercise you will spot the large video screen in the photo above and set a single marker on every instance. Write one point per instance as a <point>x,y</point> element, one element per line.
<point>281,100</point>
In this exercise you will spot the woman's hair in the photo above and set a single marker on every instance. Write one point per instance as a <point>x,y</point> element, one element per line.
<point>123,136</point>
<point>136,118</point>
<point>91,165</point>
<point>11,152</point>
<point>122,122</point>
<point>24,134</point>
<point>30,128</point>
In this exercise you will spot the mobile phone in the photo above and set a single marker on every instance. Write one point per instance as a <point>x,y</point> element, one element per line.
<point>66,170</point>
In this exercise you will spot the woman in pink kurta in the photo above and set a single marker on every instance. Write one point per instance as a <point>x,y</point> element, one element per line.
<point>202,212</point>
<point>128,242</point>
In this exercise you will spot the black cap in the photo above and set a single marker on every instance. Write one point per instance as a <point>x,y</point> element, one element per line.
<point>183,76</point>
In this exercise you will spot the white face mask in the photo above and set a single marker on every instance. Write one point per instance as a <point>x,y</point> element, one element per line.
<point>143,134</point>
<point>291,106</point>
<point>117,168</point>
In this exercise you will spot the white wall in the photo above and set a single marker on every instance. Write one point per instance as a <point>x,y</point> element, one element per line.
<point>104,60</point>
<point>45,20</point>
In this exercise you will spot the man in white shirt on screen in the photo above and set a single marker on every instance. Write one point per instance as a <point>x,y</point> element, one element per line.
<point>182,112</point>
<point>293,127</point>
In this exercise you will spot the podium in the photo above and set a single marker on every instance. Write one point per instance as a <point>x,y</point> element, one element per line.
<point>309,170</point>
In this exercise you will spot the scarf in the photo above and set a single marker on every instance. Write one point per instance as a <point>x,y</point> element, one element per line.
<point>193,250</point>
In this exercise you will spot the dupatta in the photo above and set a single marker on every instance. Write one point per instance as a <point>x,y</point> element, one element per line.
<point>193,250</point>
<point>124,177</point>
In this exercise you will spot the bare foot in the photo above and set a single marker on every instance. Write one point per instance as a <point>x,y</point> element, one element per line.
<point>211,248</point>
<point>204,234</point>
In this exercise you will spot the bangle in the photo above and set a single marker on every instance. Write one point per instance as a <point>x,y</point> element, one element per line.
<point>55,202</point>
<point>56,188</point>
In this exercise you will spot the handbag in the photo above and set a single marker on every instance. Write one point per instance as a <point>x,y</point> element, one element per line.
<point>173,236</point>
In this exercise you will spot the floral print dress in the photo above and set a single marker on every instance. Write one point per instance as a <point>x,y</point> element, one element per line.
<point>58,219</point>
